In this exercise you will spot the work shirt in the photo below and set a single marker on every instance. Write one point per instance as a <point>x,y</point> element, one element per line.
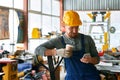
<point>76,42</point>
<point>75,69</point>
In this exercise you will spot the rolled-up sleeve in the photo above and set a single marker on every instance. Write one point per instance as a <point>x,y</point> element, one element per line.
<point>50,44</point>
<point>92,47</point>
<point>40,50</point>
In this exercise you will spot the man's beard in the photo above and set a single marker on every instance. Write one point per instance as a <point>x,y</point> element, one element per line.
<point>71,35</point>
<point>74,35</point>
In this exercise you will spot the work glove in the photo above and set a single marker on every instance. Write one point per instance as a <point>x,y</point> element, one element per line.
<point>64,53</point>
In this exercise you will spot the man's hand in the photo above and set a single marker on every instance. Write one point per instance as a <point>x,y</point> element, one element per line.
<point>64,53</point>
<point>86,58</point>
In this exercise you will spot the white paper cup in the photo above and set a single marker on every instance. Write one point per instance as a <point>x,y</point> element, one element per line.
<point>69,47</point>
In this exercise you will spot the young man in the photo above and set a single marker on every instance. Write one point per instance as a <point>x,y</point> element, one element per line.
<point>79,62</point>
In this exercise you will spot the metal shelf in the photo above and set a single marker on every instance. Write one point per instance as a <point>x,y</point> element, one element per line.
<point>96,30</point>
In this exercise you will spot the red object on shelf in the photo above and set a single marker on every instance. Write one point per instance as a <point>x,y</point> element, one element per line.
<point>101,53</point>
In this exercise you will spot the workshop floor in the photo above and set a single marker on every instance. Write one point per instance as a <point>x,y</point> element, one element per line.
<point>62,73</point>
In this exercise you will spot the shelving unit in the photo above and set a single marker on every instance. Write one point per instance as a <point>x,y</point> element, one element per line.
<point>96,30</point>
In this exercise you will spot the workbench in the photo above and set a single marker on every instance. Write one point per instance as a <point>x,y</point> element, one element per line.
<point>1,74</point>
<point>110,70</point>
<point>9,69</point>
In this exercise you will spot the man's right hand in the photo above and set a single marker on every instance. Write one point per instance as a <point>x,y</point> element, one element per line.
<point>63,53</point>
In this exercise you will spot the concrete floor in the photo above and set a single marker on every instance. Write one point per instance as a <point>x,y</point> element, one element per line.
<point>62,73</point>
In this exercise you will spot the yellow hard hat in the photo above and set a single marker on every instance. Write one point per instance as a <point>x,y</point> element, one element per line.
<point>71,18</point>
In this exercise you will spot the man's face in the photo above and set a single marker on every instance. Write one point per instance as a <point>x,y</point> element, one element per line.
<point>72,32</point>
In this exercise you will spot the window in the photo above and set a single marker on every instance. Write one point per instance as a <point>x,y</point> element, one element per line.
<point>35,5</point>
<point>6,3</point>
<point>13,22</point>
<point>45,16</point>
<point>46,6</point>
<point>34,22</point>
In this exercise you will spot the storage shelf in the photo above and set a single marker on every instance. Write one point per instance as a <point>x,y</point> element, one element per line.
<point>96,31</point>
